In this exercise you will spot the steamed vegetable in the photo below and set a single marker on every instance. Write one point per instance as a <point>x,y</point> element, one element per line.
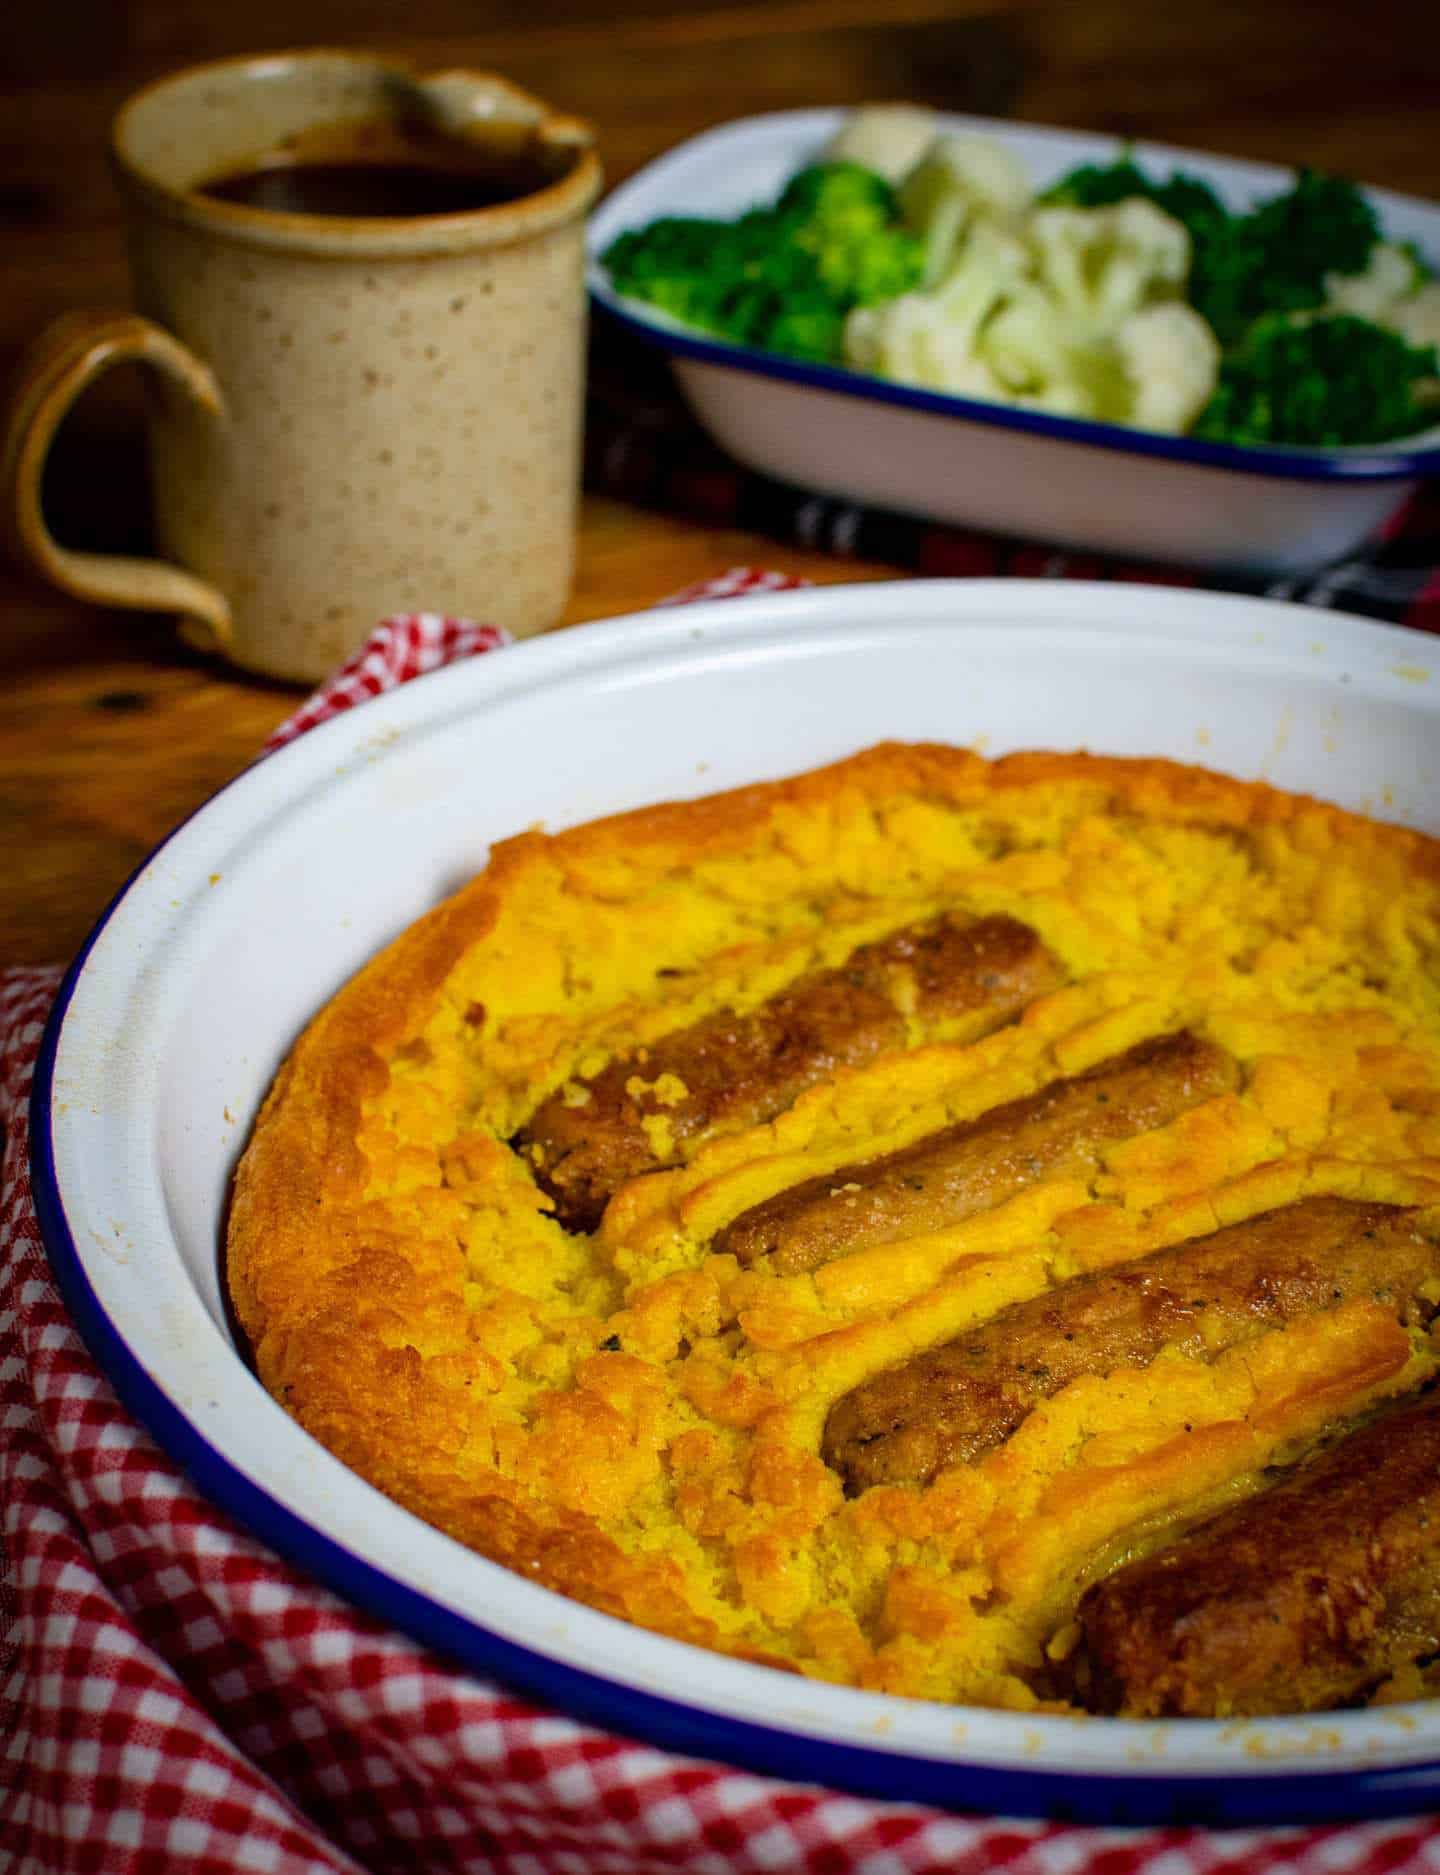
<point>888,138</point>
<point>1171,360</point>
<point>931,337</point>
<point>1274,259</point>
<point>1277,258</point>
<point>782,278</point>
<point>1190,201</point>
<point>1115,295</point>
<point>1264,282</point>
<point>847,220</point>
<point>1418,317</point>
<point>1080,319</point>
<point>1323,380</point>
<point>1102,264</point>
<point>1392,274</point>
<point>960,181</point>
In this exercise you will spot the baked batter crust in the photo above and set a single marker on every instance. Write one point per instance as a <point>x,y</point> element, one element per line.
<point>617,1397</point>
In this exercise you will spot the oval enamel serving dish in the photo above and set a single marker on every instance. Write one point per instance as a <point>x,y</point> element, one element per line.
<point>1225,508</point>
<point>197,980</point>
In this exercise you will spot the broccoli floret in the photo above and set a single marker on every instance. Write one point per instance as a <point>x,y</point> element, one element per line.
<point>1322,381</point>
<point>839,197</point>
<point>803,328</point>
<point>873,270</point>
<point>780,278</point>
<point>729,278</point>
<point>1100,185</point>
<point>1276,258</point>
<point>683,265</point>
<point>846,218</point>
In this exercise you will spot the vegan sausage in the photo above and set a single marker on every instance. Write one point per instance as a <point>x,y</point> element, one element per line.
<point>951,1175</point>
<point>730,1071</point>
<point>1304,1597</point>
<point>959,1401</point>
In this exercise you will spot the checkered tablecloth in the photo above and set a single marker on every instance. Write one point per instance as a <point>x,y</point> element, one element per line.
<point>174,1696</point>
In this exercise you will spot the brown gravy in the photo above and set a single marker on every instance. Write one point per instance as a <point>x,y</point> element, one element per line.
<point>375,171</point>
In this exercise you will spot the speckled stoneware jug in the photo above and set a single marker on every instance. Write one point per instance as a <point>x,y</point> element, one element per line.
<point>353,413</point>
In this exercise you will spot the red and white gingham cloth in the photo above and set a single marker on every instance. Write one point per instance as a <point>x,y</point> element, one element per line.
<point>173,1696</point>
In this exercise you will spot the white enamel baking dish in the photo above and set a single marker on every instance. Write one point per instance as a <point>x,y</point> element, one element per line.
<point>1225,510</point>
<point>195,983</point>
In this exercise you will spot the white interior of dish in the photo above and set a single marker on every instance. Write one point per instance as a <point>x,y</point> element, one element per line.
<point>260,907</point>
<point>738,166</point>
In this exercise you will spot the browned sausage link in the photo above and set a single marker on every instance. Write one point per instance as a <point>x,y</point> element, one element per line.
<point>959,1401</point>
<point>740,1070</point>
<point>1302,1598</point>
<point>949,1176</point>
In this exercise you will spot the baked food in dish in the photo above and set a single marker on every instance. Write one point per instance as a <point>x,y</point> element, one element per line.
<point>843,1221</point>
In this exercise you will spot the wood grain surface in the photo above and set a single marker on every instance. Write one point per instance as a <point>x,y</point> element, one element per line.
<point>109,731</point>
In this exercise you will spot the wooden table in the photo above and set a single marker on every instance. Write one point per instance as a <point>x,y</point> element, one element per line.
<point>109,733</point>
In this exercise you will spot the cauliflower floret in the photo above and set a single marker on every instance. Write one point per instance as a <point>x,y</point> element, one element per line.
<point>1417,317</point>
<point>931,338</point>
<point>1393,291</point>
<point>1102,264</point>
<point>1391,274</point>
<point>888,138</point>
<point>961,180</point>
<point>909,340</point>
<point>1044,363</point>
<point>1171,360</point>
<point>1064,324</point>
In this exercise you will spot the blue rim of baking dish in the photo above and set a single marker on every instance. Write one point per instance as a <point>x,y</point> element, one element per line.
<point>1215,1798</point>
<point>1295,465</point>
